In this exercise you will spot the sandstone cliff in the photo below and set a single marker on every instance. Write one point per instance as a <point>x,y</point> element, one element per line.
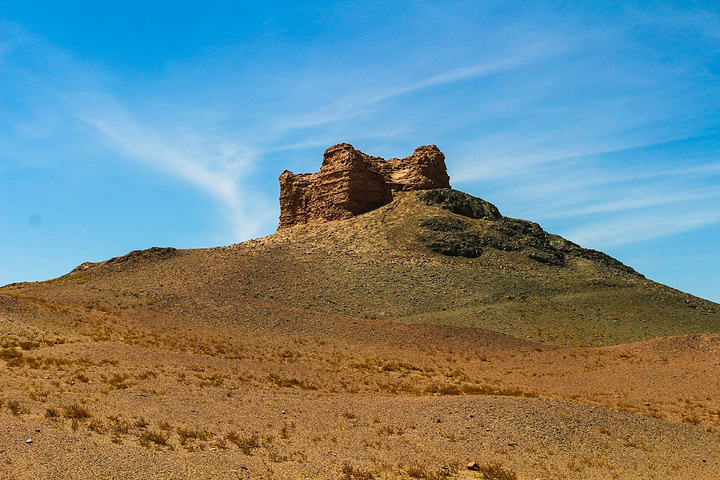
<point>351,182</point>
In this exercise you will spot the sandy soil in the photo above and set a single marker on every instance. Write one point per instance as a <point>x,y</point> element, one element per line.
<point>347,351</point>
<point>258,390</point>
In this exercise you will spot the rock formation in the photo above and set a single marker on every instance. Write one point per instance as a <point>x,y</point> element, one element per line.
<point>458,238</point>
<point>351,182</point>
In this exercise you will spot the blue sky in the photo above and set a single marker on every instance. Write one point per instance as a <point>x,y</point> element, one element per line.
<point>126,125</point>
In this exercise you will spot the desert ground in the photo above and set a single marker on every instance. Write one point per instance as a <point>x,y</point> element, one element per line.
<point>349,350</point>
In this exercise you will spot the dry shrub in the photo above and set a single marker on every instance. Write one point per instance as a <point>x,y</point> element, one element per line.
<point>96,425</point>
<point>193,433</point>
<point>495,471</point>
<point>691,419</point>
<point>389,430</point>
<point>290,382</point>
<point>215,380</point>
<point>15,407</point>
<point>15,358</point>
<point>51,413</point>
<point>118,424</point>
<point>164,425</point>
<point>285,429</point>
<point>146,374</point>
<point>354,473</point>
<point>396,388</point>
<point>246,444</point>
<point>118,381</point>
<point>274,456</point>
<point>76,411</point>
<point>468,389</point>
<point>148,436</point>
<point>426,473</point>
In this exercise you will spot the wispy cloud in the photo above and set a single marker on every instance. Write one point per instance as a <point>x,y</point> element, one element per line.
<point>219,167</point>
<point>629,228</point>
<point>220,175</point>
<point>353,105</point>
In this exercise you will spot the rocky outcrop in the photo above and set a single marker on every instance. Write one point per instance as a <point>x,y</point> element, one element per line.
<point>351,182</point>
<point>459,238</point>
<point>460,203</point>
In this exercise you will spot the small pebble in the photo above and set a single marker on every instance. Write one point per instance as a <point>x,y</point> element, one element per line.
<point>29,440</point>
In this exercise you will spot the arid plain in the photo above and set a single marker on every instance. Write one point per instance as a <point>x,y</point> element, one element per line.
<point>350,349</point>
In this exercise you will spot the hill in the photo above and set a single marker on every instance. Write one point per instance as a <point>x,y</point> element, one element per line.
<point>404,342</point>
<point>384,265</point>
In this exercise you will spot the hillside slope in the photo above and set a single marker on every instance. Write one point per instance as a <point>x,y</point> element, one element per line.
<point>516,279</point>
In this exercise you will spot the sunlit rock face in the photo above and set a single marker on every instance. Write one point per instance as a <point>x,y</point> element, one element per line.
<point>351,182</point>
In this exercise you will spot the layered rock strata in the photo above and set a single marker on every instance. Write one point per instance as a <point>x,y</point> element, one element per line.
<point>351,182</point>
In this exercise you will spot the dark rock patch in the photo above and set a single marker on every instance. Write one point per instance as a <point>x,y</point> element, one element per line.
<point>445,224</point>
<point>460,203</point>
<point>521,235</point>
<point>453,244</point>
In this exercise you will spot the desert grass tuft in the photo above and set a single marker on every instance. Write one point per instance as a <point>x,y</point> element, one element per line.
<point>290,382</point>
<point>246,444</point>
<point>51,413</point>
<point>148,437</point>
<point>195,433</point>
<point>350,472</point>
<point>495,471</point>
<point>76,411</point>
<point>118,425</point>
<point>15,407</point>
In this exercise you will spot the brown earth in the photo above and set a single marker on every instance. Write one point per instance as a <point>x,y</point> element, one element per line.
<point>352,350</point>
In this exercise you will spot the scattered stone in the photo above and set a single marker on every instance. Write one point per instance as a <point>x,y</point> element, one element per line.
<point>144,255</point>
<point>449,236</point>
<point>571,248</point>
<point>29,440</point>
<point>473,466</point>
